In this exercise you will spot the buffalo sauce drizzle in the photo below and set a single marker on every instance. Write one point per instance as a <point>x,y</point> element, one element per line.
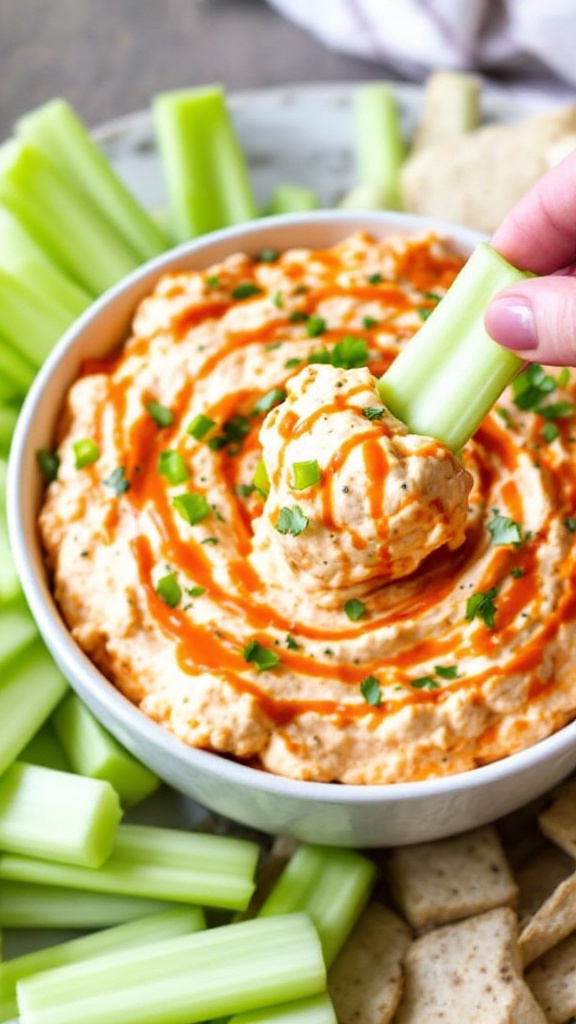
<point>202,649</point>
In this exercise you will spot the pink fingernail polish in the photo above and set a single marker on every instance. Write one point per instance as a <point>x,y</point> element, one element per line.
<point>510,321</point>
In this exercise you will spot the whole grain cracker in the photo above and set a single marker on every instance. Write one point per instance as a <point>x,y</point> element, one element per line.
<point>468,971</point>
<point>554,921</point>
<point>365,981</point>
<point>552,979</point>
<point>450,879</point>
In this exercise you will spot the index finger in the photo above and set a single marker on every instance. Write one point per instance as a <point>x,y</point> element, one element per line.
<point>539,233</point>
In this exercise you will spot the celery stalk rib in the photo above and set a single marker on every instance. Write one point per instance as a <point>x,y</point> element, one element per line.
<point>18,369</point>
<point>230,969</point>
<point>30,689</point>
<point>289,197</point>
<point>8,417</point>
<point>17,630</point>
<point>157,863</point>
<point>447,378</point>
<point>37,305</point>
<point>44,749</point>
<point>25,905</point>
<point>205,169</point>
<point>144,932</point>
<point>57,815</point>
<point>313,1010</point>
<point>380,145</point>
<point>57,131</point>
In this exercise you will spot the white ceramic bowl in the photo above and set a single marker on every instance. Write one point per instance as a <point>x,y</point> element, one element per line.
<point>316,812</point>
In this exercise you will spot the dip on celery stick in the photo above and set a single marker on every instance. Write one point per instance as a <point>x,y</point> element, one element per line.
<point>330,600</point>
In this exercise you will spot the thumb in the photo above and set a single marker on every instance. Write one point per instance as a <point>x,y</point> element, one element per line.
<point>537,319</point>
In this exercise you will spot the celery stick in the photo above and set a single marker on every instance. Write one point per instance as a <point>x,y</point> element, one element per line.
<point>16,367</point>
<point>292,198</point>
<point>24,905</point>
<point>44,749</point>
<point>313,1010</point>
<point>204,166</point>
<point>449,375</point>
<point>9,583</point>
<point>380,146</point>
<point>57,131</point>
<point>16,241</point>
<point>31,318</point>
<point>30,688</point>
<point>8,417</point>
<point>160,863</point>
<point>332,885</point>
<point>63,222</point>
<point>92,751</point>
<point>17,630</point>
<point>57,815</point>
<point>230,969</point>
<point>450,106</point>
<point>143,932</point>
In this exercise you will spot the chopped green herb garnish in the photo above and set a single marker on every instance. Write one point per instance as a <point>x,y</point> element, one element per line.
<point>262,657</point>
<point>212,281</point>
<point>195,591</point>
<point>117,481</point>
<point>375,279</point>
<point>504,530</point>
<point>268,255</point>
<point>503,414</point>
<point>49,463</point>
<point>425,683</point>
<point>446,671</point>
<point>278,300</point>
<point>423,312</point>
<point>191,506</point>
<point>291,643</point>
<point>297,316</point>
<point>269,400</point>
<point>556,410</point>
<point>371,691</point>
<point>210,540</point>
<point>272,345</point>
<point>261,481</point>
<point>517,573</point>
<point>246,290</point>
<point>354,609</point>
<point>368,322</point>
<point>171,465</point>
<point>348,354</point>
<point>200,426</point>
<point>305,474</point>
<point>233,433</point>
<point>482,605</point>
<point>549,432</point>
<point>291,364</point>
<point>86,452</point>
<point>315,325</point>
<point>245,490</point>
<point>169,590</point>
<point>292,520</point>
<point>530,389</point>
<point>570,524</point>
<point>374,412</point>
<point>161,415</point>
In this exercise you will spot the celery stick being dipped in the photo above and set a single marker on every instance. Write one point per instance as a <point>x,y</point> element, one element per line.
<point>205,169</point>
<point>143,932</point>
<point>92,751</point>
<point>66,224</point>
<point>57,131</point>
<point>159,863</point>
<point>57,815</point>
<point>225,970</point>
<point>25,905</point>
<point>447,378</point>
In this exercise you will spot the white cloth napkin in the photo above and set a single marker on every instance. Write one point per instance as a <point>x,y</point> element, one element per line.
<point>527,46</point>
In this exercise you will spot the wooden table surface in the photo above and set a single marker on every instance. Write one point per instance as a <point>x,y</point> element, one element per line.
<point>109,57</point>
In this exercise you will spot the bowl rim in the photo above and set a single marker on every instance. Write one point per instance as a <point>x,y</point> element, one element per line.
<point>75,664</point>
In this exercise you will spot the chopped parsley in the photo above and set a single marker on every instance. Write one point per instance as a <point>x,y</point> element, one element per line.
<point>481,605</point>
<point>570,524</point>
<point>315,325</point>
<point>192,507</point>
<point>375,279</point>
<point>348,354</point>
<point>269,400</point>
<point>374,412</point>
<point>446,671</point>
<point>530,390</point>
<point>172,467</point>
<point>504,530</point>
<point>233,433</point>
<point>200,426</point>
<point>368,322</point>
<point>291,520</point>
<point>354,609</point>
<point>517,573</point>
<point>245,490</point>
<point>549,432</point>
<point>268,255</point>
<point>212,281</point>
<point>291,364</point>
<point>49,463</point>
<point>291,643</point>
<point>210,540</point>
<point>161,415</point>
<point>117,481</point>
<point>305,474</point>
<point>262,657</point>
<point>86,452</point>
<point>278,300</point>
<point>246,290</point>
<point>195,591</point>
<point>425,683</point>
<point>371,691</point>
<point>169,589</point>
<point>423,312</point>
<point>297,316</point>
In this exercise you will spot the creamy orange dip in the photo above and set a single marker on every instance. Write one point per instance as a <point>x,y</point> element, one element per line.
<point>375,609</point>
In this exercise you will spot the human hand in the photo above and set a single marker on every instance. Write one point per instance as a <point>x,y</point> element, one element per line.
<point>537,318</point>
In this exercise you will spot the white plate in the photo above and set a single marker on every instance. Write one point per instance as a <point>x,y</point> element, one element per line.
<point>298,133</point>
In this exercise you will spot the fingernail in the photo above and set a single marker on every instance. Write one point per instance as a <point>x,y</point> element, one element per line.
<point>510,321</point>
